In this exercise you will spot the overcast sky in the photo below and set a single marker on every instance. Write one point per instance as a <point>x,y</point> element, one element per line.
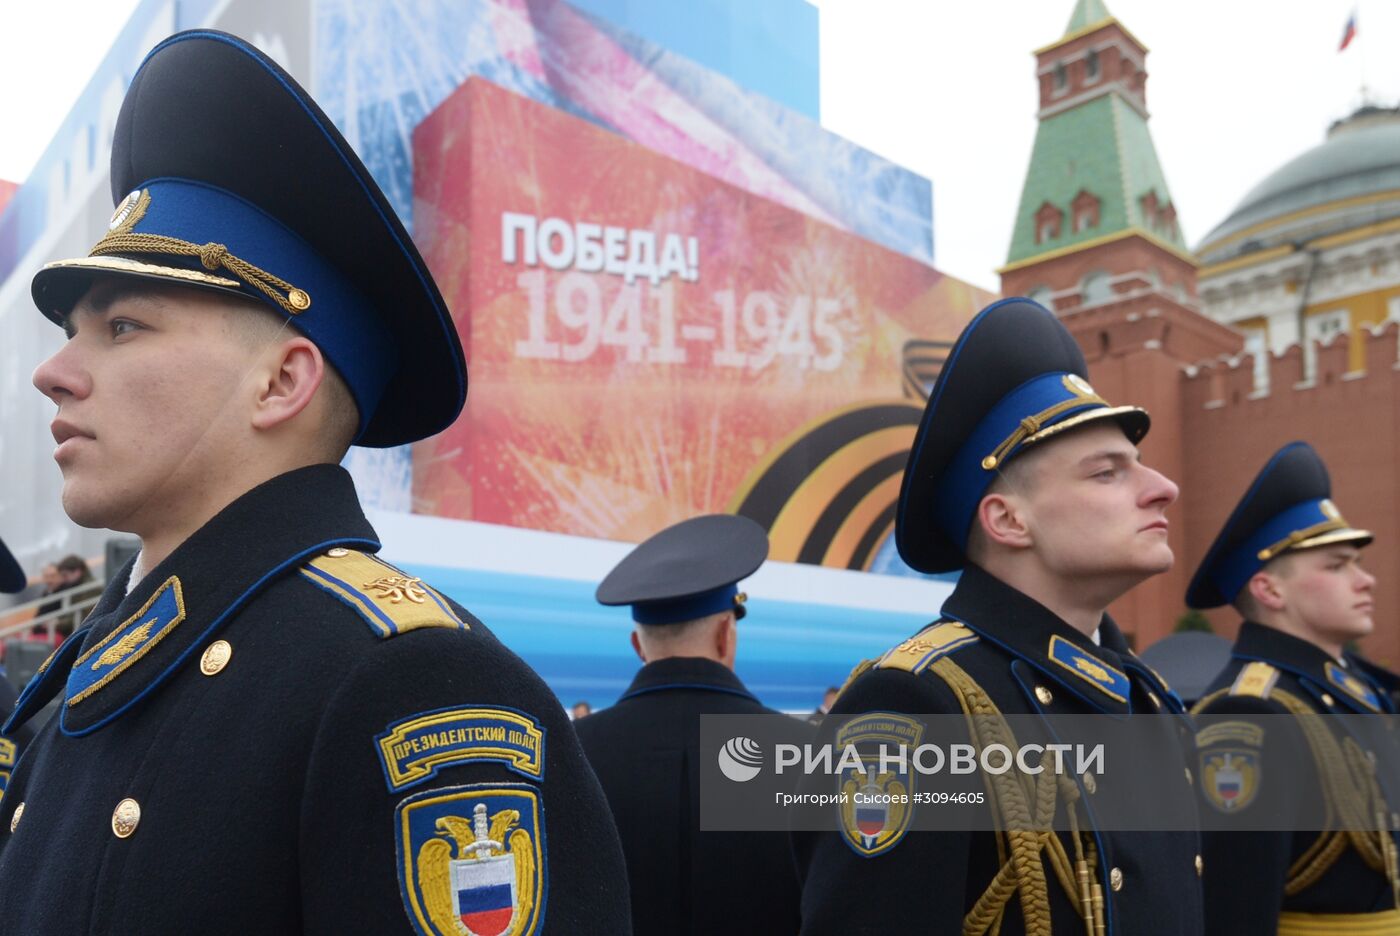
<point>947,89</point>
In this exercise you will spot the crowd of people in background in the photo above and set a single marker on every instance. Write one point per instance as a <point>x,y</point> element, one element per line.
<point>67,573</point>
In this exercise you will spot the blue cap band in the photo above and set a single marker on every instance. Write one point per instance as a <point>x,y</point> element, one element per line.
<point>690,608</point>
<point>1041,402</point>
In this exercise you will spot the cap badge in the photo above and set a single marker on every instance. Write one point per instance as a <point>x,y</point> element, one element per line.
<point>129,211</point>
<point>1078,386</point>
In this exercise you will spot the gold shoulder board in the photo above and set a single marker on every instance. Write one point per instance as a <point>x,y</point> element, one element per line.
<point>934,641</point>
<point>1256,679</point>
<point>390,600</point>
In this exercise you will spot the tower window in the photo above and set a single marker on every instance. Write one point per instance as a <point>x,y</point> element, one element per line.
<point>1091,65</point>
<point>1061,76</point>
<point>1048,220</point>
<point>1096,288</point>
<point>1084,211</point>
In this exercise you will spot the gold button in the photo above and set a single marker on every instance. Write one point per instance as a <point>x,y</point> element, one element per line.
<point>125,818</point>
<point>215,658</point>
<point>1155,701</point>
<point>1043,695</point>
<point>1328,701</point>
<point>1115,879</point>
<point>337,553</point>
<point>1200,866</point>
<point>1090,784</point>
<point>1188,774</point>
<point>14,820</point>
<point>299,300</point>
<point>956,624</point>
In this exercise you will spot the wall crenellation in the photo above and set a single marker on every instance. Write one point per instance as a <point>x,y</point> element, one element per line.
<point>1232,379</point>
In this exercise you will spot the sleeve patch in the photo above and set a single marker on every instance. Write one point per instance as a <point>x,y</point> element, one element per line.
<point>473,857</point>
<point>1231,765</point>
<point>416,748</point>
<point>876,805</point>
<point>390,601</point>
<point>1230,778</point>
<point>918,652</point>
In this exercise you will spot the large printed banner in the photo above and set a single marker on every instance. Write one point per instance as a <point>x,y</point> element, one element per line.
<point>647,343</point>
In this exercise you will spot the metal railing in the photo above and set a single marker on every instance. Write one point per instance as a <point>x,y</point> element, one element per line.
<point>73,605</point>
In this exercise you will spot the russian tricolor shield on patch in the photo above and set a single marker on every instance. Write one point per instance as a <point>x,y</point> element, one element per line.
<point>1230,778</point>
<point>484,891</point>
<point>1228,783</point>
<point>871,819</point>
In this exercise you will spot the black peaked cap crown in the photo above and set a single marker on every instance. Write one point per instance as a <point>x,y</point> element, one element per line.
<point>691,558</point>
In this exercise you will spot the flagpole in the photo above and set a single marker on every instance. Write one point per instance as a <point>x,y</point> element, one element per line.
<point>1361,42</point>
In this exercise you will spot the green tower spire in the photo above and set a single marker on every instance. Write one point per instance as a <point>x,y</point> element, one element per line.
<point>1094,172</point>
<point>1087,13</point>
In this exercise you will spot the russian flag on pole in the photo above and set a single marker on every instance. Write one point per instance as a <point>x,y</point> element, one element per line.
<point>1349,33</point>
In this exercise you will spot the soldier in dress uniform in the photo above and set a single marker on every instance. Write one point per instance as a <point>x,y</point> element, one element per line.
<point>1026,480</point>
<point>1290,564</point>
<point>264,727</point>
<point>682,585</point>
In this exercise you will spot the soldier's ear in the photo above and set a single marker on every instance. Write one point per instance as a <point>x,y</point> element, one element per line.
<point>292,371</point>
<point>727,634</point>
<point>727,639</point>
<point>1003,521</point>
<point>1267,591</point>
<point>637,647</point>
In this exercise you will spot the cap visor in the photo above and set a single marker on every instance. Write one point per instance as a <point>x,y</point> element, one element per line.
<point>58,286</point>
<point>1359,537</point>
<point>1133,420</point>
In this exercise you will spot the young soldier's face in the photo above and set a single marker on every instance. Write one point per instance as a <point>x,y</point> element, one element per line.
<point>1096,509</point>
<point>142,387</point>
<point>1328,592</point>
